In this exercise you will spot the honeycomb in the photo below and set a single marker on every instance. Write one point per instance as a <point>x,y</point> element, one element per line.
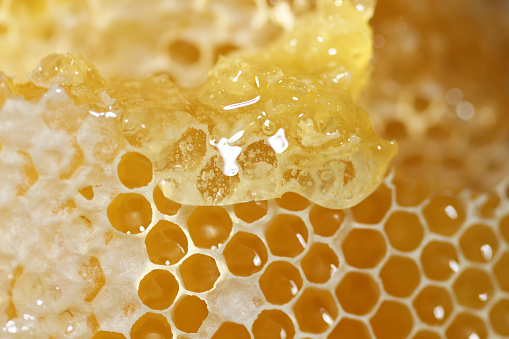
<point>93,246</point>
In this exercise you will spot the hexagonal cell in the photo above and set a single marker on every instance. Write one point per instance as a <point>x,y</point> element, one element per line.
<point>502,272</point>
<point>499,317</point>
<point>130,213</point>
<point>151,324</point>
<point>404,230</point>
<point>189,313</point>
<point>373,209</point>
<point>245,254</point>
<point>273,324</point>
<point>325,221</point>
<point>479,243</point>
<point>348,328</point>
<point>280,282</point>
<point>466,326</point>
<point>292,201</point>
<point>134,170</point>
<point>209,226</point>
<point>199,273</point>
<point>400,276</point>
<point>363,248</point>
<point>108,335</point>
<point>315,310</point>
<point>504,228</point>
<point>439,260</point>
<point>319,263</point>
<point>230,330</point>
<point>473,288</point>
<point>286,235</point>
<point>444,214</point>
<point>426,334</point>
<point>251,211</point>
<point>163,204</point>
<point>433,305</point>
<point>392,320</point>
<point>166,243</point>
<point>357,293</point>
<point>158,289</point>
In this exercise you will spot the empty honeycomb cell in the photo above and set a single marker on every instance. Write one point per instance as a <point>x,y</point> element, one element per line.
<point>209,226</point>
<point>280,282</point>
<point>504,228</point>
<point>158,289</point>
<point>87,192</point>
<point>439,260</point>
<point>151,325</point>
<point>108,335</point>
<point>273,324</point>
<point>501,270</point>
<point>325,221</point>
<point>292,201</point>
<point>409,191</point>
<point>473,288</point>
<point>392,320</point>
<point>348,328</point>
<point>286,235</point>
<point>364,248</point>
<point>315,310</point>
<point>130,213</point>
<point>404,230</point>
<point>357,292</point>
<point>93,274</point>
<point>444,214</point>
<point>189,313</point>
<point>251,211</point>
<point>184,52</point>
<point>231,330</point>
<point>479,243</point>
<point>466,326</point>
<point>319,263</point>
<point>499,317</point>
<point>245,254</point>
<point>199,273</point>
<point>433,305</point>
<point>163,204</point>
<point>166,243</point>
<point>400,276</point>
<point>134,170</point>
<point>426,334</point>
<point>372,209</point>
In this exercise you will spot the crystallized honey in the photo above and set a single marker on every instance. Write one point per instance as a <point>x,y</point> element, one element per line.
<point>204,169</point>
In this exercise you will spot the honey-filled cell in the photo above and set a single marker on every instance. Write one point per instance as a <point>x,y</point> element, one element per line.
<point>392,320</point>
<point>158,289</point>
<point>364,248</point>
<point>251,211</point>
<point>501,271</point>
<point>433,305</point>
<point>319,263</point>
<point>231,330</point>
<point>189,313</point>
<point>468,326</point>
<point>163,204</point>
<point>245,254</point>
<point>373,209</point>
<point>357,292</point>
<point>292,201</point>
<point>499,317</point>
<point>108,335</point>
<point>444,214</point>
<point>404,230</point>
<point>209,226</point>
<point>349,328</point>
<point>134,170</point>
<point>286,235</point>
<point>151,325</point>
<point>325,221</point>
<point>166,243</point>
<point>130,213</point>
<point>400,276</point>
<point>473,288</point>
<point>273,324</point>
<point>280,282</point>
<point>315,310</point>
<point>439,260</point>
<point>479,243</point>
<point>199,273</point>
